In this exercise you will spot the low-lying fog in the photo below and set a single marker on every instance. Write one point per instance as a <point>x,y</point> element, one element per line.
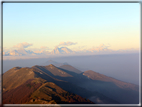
<point>124,67</point>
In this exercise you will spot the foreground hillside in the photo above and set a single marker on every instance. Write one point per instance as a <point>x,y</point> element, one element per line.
<point>24,86</point>
<point>65,85</point>
<point>35,91</point>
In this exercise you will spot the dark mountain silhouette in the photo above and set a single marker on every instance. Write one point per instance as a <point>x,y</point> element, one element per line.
<point>67,79</point>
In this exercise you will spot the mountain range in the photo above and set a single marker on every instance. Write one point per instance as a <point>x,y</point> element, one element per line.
<point>56,51</point>
<point>62,50</point>
<point>65,84</point>
<point>102,49</point>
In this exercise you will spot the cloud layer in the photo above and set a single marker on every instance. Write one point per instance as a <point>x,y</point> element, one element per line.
<point>67,43</point>
<point>101,47</point>
<point>23,45</point>
<point>19,50</point>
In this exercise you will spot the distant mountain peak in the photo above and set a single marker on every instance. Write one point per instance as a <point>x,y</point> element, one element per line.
<point>57,64</point>
<point>61,50</point>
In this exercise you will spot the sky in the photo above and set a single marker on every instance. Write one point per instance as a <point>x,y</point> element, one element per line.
<point>77,26</point>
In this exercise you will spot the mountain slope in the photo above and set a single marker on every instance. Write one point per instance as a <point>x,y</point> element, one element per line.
<point>21,93</point>
<point>61,74</point>
<point>51,69</point>
<point>70,68</point>
<point>50,91</point>
<point>17,76</point>
<point>37,86</point>
<point>126,93</point>
<point>96,76</point>
<point>38,92</point>
<point>107,86</point>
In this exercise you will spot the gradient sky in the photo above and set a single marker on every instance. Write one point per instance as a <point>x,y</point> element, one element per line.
<point>87,24</point>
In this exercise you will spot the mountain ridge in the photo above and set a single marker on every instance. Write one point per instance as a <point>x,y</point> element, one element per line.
<point>57,64</point>
<point>92,87</point>
<point>97,76</point>
<point>70,68</point>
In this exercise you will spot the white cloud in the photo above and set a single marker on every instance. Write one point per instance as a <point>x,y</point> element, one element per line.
<point>44,50</point>
<point>101,47</point>
<point>67,43</point>
<point>79,48</point>
<point>43,47</point>
<point>41,50</point>
<point>23,45</point>
<point>17,50</point>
